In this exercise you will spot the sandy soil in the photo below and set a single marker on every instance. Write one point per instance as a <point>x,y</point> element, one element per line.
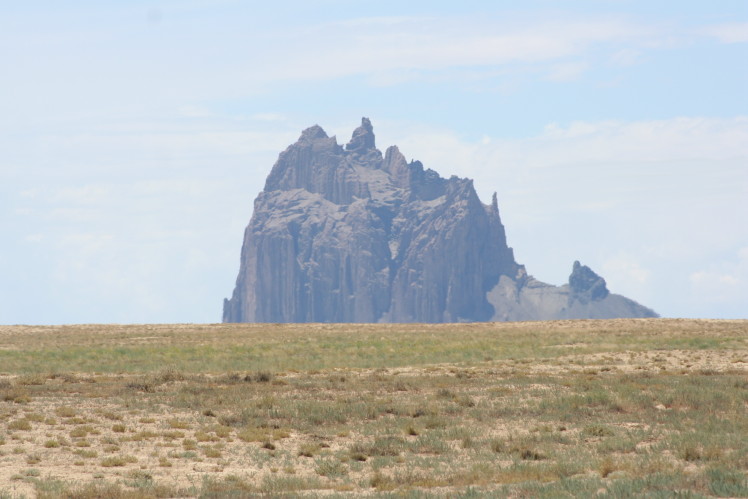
<point>73,433</point>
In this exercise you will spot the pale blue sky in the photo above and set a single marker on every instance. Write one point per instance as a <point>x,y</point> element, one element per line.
<point>134,137</point>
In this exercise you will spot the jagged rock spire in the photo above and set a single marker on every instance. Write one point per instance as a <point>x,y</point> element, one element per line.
<point>494,203</point>
<point>313,132</point>
<point>585,284</point>
<point>362,139</point>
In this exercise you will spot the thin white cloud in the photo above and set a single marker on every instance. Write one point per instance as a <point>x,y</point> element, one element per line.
<point>723,282</point>
<point>624,273</point>
<point>192,111</point>
<point>728,33</point>
<point>414,44</point>
<point>684,139</point>
<point>382,47</point>
<point>656,140</point>
<point>567,71</point>
<point>86,194</point>
<point>268,117</point>
<point>34,238</point>
<point>626,57</point>
<point>94,72</point>
<point>360,23</point>
<point>141,149</point>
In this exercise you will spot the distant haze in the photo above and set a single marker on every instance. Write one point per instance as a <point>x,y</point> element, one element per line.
<point>134,137</point>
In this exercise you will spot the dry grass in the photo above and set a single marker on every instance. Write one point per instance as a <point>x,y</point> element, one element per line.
<point>570,408</point>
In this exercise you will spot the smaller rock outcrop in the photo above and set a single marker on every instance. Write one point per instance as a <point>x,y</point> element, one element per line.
<point>585,296</point>
<point>586,286</point>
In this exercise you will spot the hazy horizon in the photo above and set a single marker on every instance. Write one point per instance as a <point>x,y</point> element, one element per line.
<point>136,136</point>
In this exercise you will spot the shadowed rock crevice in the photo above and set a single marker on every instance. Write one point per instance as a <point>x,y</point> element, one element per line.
<point>345,234</point>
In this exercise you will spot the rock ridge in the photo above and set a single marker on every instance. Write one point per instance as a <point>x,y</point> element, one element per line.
<point>347,234</point>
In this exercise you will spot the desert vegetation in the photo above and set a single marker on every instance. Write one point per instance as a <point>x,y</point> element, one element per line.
<point>636,407</point>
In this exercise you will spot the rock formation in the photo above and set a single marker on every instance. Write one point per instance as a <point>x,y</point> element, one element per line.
<point>345,234</point>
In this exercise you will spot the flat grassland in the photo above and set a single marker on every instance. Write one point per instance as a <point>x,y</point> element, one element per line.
<point>614,408</point>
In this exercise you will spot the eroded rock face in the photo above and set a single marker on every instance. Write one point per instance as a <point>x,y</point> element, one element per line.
<point>585,285</point>
<point>584,297</point>
<point>345,234</point>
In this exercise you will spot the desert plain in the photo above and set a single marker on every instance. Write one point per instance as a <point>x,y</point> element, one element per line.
<point>603,408</point>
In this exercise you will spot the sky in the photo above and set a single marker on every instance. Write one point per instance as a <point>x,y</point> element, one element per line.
<point>134,137</point>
